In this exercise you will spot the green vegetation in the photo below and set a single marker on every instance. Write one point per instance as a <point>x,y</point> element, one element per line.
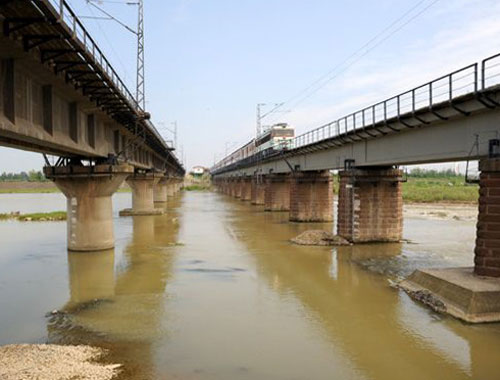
<point>36,217</point>
<point>439,189</point>
<point>28,190</point>
<point>426,186</point>
<point>197,187</point>
<point>31,176</point>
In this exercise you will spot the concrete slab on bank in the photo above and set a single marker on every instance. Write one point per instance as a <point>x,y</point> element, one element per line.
<point>456,291</point>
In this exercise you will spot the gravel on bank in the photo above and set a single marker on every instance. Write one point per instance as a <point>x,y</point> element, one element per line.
<point>53,362</point>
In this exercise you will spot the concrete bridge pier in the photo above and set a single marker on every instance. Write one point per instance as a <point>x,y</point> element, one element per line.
<point>88,190</point>
<point>258,190</point>
<point>142,185</point>
<point>370,207</point>
<point>160,190</point>
<point>311,196</point>
<point>170,187</point>
<point>277,192</point>
<point>246,189</point>
<point>237,187</point>
<point>470,293</point>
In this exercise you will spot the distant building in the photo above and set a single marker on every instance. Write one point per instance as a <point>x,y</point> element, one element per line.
<point>198,171</point>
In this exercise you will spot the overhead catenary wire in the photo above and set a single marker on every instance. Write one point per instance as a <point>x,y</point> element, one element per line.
<point>356,56</point>
<point>104,34</point>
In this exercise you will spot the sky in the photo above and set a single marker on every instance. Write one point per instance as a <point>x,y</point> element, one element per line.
<point>208,63</point>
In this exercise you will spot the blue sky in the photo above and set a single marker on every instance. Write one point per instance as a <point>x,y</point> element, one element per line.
<point>208,63</point>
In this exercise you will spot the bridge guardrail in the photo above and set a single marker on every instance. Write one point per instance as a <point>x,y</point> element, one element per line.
<point>67,15</point>
<point>438,91</point>
<point>442,89</point>
<point>71,21</point>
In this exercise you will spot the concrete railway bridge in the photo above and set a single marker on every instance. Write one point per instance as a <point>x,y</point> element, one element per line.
<point>453,118</point>
<point>60,96</point>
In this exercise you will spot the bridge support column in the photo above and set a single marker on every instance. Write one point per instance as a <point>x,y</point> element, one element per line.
<point>160,190</point>
<point>89,208</point>
<point>311,196</point>
<point>277,192</point>
<point>246,189</point>
<point>170,187</point>
<point>237,187</point>
<point>470,294</point>
<point>142,185</point>
<point>258,188</point>
<point>370,205</point>
<point>487,251</point>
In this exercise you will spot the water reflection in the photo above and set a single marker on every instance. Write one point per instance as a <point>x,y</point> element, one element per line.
<point>383,332</point>
<point>121,305</point>
<point>238,301</point>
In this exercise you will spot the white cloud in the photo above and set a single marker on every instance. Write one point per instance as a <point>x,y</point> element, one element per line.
<point>469,38</point>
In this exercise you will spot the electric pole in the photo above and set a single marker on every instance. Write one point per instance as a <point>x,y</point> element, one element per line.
<point>140,93</point>
<point>260,116</point>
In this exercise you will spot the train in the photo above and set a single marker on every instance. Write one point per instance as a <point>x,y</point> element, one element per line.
<point>274,138</point>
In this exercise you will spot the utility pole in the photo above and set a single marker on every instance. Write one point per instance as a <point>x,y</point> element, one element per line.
<point>173,131</point>
<point>260,116</point>
<point>140,93</point>
<point>174,123</point>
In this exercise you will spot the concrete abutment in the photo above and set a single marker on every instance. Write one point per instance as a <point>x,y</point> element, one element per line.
<point>471,294</point>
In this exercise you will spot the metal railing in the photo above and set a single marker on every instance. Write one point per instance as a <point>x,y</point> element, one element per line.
<point>428,96</point>
<point>71,21</point>
<point>79,32</point>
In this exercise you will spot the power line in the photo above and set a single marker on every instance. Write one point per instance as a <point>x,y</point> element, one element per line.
<point>112,17</point>
<point>327,78</point>
<point>104,34</point>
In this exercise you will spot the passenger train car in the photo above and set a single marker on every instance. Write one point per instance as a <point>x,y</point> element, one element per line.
<point>277,137</point>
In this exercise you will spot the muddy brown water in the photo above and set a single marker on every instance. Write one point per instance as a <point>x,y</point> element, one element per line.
<point>214,290</point>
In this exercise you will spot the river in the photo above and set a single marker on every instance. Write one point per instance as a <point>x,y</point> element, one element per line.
<point>214,290</point>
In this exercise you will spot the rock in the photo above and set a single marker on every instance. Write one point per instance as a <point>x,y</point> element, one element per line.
<point>319,237</point>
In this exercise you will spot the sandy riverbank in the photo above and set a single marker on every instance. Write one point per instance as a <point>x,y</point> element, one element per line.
<point>442,211</point>
<point>53,362</point>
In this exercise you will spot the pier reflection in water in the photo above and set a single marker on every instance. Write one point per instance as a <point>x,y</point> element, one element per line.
<point>214,290</point>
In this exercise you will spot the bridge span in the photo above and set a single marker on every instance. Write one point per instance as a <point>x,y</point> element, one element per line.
<point>452,118</point>
<point>59,95</point>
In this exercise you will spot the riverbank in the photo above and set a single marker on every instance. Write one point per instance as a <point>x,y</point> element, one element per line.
<point>36,217</point>
<point>441,211</point>
<point>49,362</point>
<point>26,187</point>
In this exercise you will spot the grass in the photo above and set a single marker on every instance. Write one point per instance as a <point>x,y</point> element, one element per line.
<point>37,190</point>
<point>36,217</point>
<point>29,191</point>
<point>200,187</point>
<point>446,189</point>
<point>435,189</point>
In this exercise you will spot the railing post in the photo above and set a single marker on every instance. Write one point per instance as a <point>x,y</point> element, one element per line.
<point>450,84</point>
<point>475,78</point>
<point>413,100</point>
<point>483,72</point>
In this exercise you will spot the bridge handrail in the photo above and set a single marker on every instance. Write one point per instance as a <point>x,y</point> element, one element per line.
<point>458,83</point>
<point>70,19</point>
<point>79,32</point>
<point>380,111</point>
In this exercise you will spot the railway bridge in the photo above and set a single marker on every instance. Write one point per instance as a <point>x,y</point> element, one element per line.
<point>453,118</point>
<point>60,96</point>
